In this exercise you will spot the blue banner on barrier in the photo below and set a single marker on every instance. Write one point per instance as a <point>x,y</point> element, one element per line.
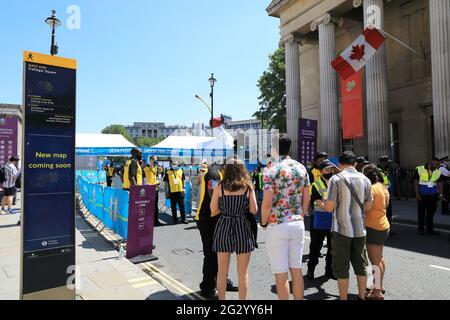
<point>109,205</point>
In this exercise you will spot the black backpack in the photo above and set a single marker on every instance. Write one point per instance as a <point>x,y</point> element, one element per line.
<point>2,175</point>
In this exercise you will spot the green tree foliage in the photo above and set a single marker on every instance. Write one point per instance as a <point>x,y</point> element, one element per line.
<point>147,141</point>
<point>272,100</point>
<point>118,129</point>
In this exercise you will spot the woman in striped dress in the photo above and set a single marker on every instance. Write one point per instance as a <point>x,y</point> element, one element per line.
<point>233,198</point>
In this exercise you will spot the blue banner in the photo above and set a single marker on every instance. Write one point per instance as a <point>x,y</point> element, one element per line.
<point>107,204</point>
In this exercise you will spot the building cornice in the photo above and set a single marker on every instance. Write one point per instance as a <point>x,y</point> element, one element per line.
<point>275,6</point>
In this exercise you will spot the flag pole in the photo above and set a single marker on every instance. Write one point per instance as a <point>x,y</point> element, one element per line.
<point>422,55</point>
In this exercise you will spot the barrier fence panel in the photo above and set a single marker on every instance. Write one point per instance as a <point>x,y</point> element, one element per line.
<point>109,205</point>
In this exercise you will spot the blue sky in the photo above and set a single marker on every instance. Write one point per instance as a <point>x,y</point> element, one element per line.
<point>144,60</point>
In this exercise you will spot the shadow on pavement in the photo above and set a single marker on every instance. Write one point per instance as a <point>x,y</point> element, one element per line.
<point>317,283</point>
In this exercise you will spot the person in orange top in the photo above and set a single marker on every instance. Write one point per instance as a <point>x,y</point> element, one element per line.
<point>377,227</point>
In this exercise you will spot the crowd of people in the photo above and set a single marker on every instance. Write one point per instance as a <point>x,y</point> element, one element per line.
<point>348,204</point>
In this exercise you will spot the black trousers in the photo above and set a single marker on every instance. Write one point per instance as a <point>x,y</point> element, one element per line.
<point>446,199</point>
<point>177,198</point>
<point>108,181</point>
<point>317,238</point>
<point>210,265</point>
<point>156,220</point>
<point>426,209</point>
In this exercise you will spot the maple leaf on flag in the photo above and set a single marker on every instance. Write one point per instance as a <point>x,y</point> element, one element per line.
<point>358,52</point>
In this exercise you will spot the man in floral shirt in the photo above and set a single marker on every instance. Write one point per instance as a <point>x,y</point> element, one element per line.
<point>285,202</point>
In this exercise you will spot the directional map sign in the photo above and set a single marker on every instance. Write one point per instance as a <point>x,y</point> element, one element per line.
<point>48,221</point>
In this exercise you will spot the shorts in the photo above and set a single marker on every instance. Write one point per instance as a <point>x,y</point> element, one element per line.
<point>9,192</point>
<point>284,246</point>
<point>376,237</point>
<point>348,250</point>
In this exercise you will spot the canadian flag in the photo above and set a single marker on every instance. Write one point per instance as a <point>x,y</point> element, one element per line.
<point>361,50</point>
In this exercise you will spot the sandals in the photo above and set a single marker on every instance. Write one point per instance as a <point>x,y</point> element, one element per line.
<point>370,289</point>
<point>372,296</point>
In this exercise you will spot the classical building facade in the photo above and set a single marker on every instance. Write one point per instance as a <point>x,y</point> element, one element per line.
<point>407,95</point>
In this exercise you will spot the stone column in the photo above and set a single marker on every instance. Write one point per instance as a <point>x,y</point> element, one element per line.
<point>378,130</point>
<point>440,61</point>
<point>293,96</point>
<point>329,112</point>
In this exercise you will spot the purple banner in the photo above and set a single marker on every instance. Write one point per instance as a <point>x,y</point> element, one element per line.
<point>307,140</point>
<point>8,138</point>
<point>140,221</point>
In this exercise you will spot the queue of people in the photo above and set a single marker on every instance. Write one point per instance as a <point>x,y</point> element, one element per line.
<point>349,205</point>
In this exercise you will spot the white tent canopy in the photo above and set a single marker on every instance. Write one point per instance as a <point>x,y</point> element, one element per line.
<point>184,142</point>
<point>99,140</point>
<point>97,144</point>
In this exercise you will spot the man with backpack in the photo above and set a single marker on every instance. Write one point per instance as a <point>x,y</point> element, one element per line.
<point>9,175</point>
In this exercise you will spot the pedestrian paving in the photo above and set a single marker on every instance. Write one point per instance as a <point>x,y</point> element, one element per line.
<point>406,211</point>
<point>102,275</point>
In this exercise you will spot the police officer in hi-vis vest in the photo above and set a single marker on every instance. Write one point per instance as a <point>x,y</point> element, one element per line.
<point>428,188</point>
<point>151,178</point>
<point>132,171</point>
<point>175,181</point>
<point>322,221</point>
<point>384,163</point>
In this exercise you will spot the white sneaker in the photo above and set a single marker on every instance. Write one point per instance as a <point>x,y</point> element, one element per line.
<point>2,211</point>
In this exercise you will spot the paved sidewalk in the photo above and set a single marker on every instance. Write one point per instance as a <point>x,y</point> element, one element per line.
<point>406,211</point>
<point>103,275</point>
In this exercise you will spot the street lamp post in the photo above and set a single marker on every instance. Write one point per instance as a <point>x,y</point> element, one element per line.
<point>212,82</point>
<point>53,22</point>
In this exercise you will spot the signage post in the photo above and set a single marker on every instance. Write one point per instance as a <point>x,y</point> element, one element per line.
<point>140,223</point>
<point>48,162</point>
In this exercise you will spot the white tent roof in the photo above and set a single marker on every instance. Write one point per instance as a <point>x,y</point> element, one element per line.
<point>98,140</point>
<point>184,142</point>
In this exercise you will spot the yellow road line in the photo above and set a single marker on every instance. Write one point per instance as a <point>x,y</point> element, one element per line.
<point>144,284</point>
<point>176,284</point>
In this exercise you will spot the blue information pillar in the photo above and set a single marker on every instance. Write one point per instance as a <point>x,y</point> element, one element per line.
<point>48,204</point>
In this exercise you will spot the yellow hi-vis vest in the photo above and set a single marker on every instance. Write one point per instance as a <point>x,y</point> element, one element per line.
<point>110,171</point>
<point>425,178</point>
<point>323,191</point>
<point>150,175</point>
<point>203,190</point>
<point>316,173</point>
<point>175,180</point>
<point>385,178</point>
<point>126,172</point>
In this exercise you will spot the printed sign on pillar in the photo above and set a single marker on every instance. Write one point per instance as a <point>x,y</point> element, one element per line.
<point>307,140</point>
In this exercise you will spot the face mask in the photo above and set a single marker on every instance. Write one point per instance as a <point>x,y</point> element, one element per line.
<point>175,167</point>
<point>328,176</point>
<point>155,163</point>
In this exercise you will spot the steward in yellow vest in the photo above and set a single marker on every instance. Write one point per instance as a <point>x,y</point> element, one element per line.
<point>428,189</point>
<point>174,180</point>
<point>132,172</point>
<point>322,220</point>
<point>151,177</point>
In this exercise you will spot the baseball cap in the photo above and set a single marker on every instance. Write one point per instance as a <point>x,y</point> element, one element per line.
<point>362,160</point>
<point>384,159</point>
<point>326,164</point>
<point>321,155</point>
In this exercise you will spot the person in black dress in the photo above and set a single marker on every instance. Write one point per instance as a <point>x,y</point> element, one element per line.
<point>234,197</point>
